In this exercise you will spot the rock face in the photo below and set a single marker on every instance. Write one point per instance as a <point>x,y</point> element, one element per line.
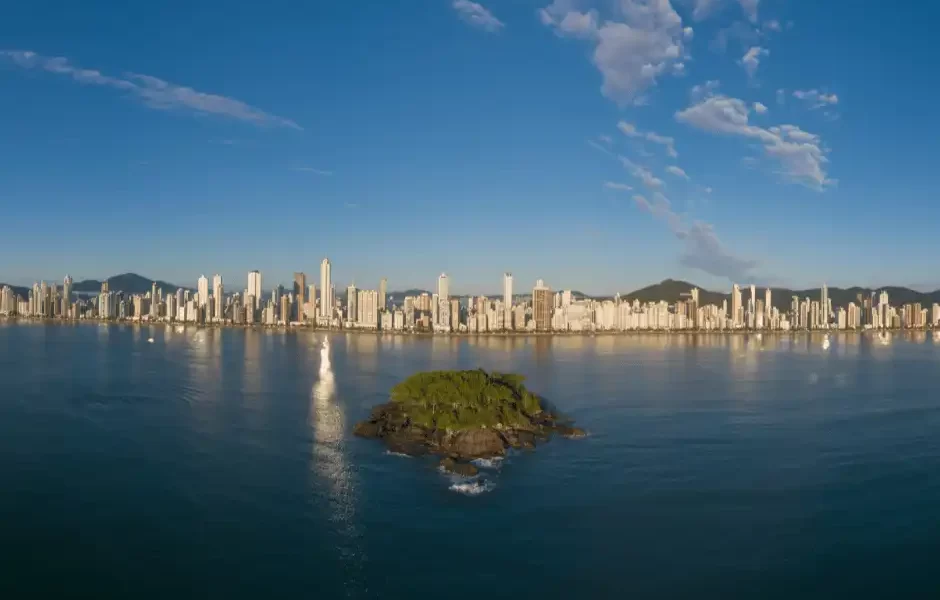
<point>452,466</point>
<point>391,423</point>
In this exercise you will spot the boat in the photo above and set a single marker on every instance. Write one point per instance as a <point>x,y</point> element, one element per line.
<point>825,342</point>
<point>149,340</point>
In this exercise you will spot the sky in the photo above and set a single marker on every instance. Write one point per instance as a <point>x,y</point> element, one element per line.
<point>600,145</point>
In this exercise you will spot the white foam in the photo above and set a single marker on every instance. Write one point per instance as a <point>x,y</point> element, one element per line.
<point>399,454</point>
<point>472,488</point>
<point>488,463</point>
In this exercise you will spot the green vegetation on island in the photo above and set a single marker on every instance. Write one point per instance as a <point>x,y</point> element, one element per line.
<point>463,415</point>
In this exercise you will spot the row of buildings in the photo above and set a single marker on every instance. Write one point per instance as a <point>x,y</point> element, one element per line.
<point>541,311</point>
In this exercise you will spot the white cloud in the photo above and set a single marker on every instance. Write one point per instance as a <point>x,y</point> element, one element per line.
<point>760,108</point>
<point>613,185</point>
<point>800,154</point>
<point>678,172</point>
<point>153,92</point>
<point>606,139</point>
<point>816,99</point>
<point>751,60</point>
<point>640,43</point>
<point>703,9</point>
<point>323,172</point>
<point>773,25</point>
<point>643,174</point>
<point>630,130</point>
<point>477,15</point>
<point>703,250</point>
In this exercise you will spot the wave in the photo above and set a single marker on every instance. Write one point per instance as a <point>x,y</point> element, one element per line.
<point>488,463</point>
<point>472,488</point>
<point>399,454</point>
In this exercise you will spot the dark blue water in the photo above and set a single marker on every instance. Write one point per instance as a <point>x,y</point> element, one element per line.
<point>220,464</point>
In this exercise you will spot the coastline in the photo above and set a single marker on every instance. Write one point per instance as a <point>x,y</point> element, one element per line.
<point>472,334</point>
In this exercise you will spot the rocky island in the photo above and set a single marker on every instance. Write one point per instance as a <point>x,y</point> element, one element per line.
<point>463,415</point>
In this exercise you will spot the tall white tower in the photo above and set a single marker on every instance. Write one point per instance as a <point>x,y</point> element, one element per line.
<point>217,293</point>
<point>254,285</point>
<point>203,288</point>
<point>326,289</point>
<point>443,287</point>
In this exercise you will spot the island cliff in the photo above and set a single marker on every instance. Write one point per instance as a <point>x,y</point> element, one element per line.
<point>463,415</point>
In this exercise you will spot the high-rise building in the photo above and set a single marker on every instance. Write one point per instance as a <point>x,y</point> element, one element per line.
<point>352,304</point>
<point>300,288</point>
<point>736,308</point>
<point>383,290</point>
<point>767,306</point>
<point>367,307</point>
<point>66,295</point>
<point>202,287</point>
<point>254,284</point>
<point>542,306</point>
<point>824,306</point>
<point>507,299</point>
<point>443,287</point>
<point>326,289</point>
<point>218,292</point>
<point>566,298</point>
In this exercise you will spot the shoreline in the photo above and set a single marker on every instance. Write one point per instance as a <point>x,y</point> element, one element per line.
<point>468,334</point>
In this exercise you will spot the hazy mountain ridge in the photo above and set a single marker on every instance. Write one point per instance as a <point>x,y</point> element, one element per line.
<point>672,290</point>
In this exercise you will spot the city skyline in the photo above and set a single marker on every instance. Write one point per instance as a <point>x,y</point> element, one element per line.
<point>756,126</point>
<point>543,312</point>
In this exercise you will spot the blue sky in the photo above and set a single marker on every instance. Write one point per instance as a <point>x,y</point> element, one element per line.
<point>761,140</point>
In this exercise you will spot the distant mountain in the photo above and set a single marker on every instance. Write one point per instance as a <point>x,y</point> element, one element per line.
<point>672,290</point>
<point>20,291</point>
<point>129,283</point>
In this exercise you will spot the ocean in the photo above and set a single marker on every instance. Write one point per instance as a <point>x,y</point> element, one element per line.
<point>220,463</point>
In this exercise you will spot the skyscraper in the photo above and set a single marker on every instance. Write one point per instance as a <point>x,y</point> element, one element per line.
<point>443,287</point>
<point>736,308</point>
<point>352,304</point>
<point>154,304</point>
<point>300,288</point>
<point>202,287</point>
<point>254,285</point>
<point>66,295</point>
<point>767,307</point>
<point>507,299</point>
<point>824,306</point>
<point>326,289</point>
<point>217,292</point>
<point>383,290</point>
<point>542,306</point>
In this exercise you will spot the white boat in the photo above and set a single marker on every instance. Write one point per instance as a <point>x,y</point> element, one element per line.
<point>149,340</point>
<point>825,342</point>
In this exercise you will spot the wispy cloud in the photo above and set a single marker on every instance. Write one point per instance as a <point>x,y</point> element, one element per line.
<point>152,92</point>
<point>703,9</point>
<point>760,108</point>
<point>613,185</point>
<point>477,15</point>
<point>751,60</point>
<point>640,42</point>
<point>312,170</point>
<point>816,99</point>
<point>643,174</point>
<point>800,154</point>
<point>703,250</point>
<point>630,130</point>
<point>677,171</point>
